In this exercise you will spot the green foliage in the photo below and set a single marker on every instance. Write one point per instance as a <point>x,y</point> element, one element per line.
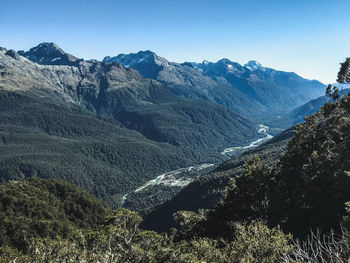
<point>344,72</point>
<point>102,235</point>
<point>41,138</point>
<point>306,190</point>
<point>332,92</point>
<point>311,183</point>
<point>256,242</point>
<point>45,208</point>
<point>10,254</point>
<point>253,242</point>
<point>246,199</point>
<point>188,223</point>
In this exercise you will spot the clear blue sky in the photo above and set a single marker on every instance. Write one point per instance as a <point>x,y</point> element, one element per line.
<point>309,37</point>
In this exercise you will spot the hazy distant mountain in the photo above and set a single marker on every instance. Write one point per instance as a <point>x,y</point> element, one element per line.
<point>249,90</point>
<point>279,91</point>
<point>298,114</point>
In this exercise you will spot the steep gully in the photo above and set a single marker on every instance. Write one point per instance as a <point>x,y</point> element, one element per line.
<point>174,178</point>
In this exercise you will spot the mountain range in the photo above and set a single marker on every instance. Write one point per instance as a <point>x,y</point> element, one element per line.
<point>250,90</point>
<point>111,126</point>
<point>102,126</point>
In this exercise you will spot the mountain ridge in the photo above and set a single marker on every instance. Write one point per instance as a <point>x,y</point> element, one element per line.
<point>246,89</point>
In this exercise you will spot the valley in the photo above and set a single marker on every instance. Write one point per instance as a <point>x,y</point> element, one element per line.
<point>180,178</point>
<point>262,129</point>
<point>155,115</point>
<point>174,178</point>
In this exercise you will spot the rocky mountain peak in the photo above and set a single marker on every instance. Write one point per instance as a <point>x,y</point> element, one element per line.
<point>49,53</point>
<point>47,46</point>
<point>146,62</point>
<point>133,59</point>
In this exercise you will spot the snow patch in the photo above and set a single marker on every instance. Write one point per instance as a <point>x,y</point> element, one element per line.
<point>54,59</point>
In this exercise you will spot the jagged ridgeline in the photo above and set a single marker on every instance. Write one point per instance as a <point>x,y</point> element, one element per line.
<point>250,90</point>
<point>101,126</point>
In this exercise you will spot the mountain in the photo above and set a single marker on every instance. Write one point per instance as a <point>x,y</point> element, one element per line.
<point>146,62</point>
<point>248,90</point>
<point>298,114</point>
<point>50,54</point>
<point>148,107</point>
<point>186,81</point>
<point>103,127</point>
<point>46,139</point>
<point>278,91</point>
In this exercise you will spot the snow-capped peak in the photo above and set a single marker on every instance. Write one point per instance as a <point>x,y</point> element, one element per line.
<point>134,59</point>
<point>253,65</point>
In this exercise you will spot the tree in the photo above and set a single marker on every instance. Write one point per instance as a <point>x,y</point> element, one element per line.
<point>344,72</point>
